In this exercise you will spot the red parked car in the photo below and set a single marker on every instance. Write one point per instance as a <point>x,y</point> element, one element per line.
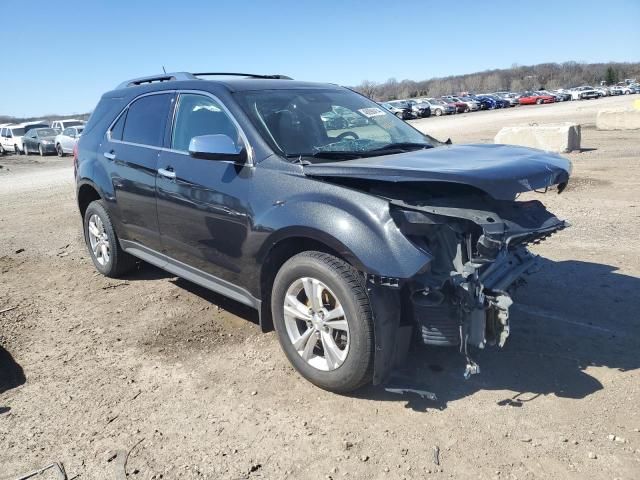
<point>460,107</point>
<point>530,98</point>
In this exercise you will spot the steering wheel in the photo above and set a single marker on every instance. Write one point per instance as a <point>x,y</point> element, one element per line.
<point>344,135</point>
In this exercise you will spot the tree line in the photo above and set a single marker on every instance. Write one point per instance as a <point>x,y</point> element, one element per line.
<point>518,78</point>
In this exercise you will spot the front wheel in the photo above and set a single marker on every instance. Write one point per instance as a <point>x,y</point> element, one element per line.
<point>438,112</point>
<point>539,101</point>
<point>59,150</point>
<point>40,150</point>
<point>323,319</point>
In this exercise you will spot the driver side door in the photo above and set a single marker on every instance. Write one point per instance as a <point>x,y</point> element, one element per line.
<point>203,212</point>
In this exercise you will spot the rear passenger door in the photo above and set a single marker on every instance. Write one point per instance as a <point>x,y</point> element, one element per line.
<point>130,152</point>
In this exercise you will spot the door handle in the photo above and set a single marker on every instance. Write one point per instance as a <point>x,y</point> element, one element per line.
<point>109,155</point>
<point>167,172</point>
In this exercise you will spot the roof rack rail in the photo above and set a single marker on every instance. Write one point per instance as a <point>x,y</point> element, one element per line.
<point>168,77</point>
<point>249,75</point>
<point>163,77</point>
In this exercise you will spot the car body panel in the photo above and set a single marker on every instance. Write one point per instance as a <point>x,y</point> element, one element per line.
<point>502,171</point>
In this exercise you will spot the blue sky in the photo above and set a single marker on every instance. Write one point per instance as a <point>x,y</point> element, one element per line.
<point>68,53</point>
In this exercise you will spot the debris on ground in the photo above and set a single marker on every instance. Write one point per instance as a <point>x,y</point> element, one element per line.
<point>421,393</point>
<point>436,454</point>
<point>57,467</point>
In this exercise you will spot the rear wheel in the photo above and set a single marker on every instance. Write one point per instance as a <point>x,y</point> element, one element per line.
<point>322,316</point>
<point>102,242</point>
<point>438,112</point>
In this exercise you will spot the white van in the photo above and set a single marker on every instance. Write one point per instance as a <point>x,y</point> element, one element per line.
<point>60,125</point>
<point>11,136</point>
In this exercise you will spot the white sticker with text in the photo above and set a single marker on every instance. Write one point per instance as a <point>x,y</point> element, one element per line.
<point>371,112</point>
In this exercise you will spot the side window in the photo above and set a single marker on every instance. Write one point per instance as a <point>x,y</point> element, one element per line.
<point>3,132</point>
<point>146,120</point>
<point>67,132</point>
<point>200,115</point>
<point>118,127</point>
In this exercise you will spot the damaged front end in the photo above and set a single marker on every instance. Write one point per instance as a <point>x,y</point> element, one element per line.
<point>479,250</point>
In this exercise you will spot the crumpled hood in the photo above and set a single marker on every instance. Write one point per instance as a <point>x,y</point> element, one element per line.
<point>502,171</point>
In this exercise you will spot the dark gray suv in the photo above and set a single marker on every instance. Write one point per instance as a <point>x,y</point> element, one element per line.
<point>347,237</point>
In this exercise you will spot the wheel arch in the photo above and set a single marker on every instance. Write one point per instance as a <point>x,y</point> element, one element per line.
<point>87,193</point>
<point>281,250</point>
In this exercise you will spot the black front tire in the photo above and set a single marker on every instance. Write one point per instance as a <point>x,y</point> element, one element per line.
<point>349,287</point>
<point>40,150</point>
<point>119,262</point>
<point>59,150</point>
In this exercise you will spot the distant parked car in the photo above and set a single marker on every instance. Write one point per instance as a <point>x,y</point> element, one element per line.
<point>486,103</point>
<point>60,125</point>
<point>473,104</point>
<point>438,107</point>
<point>421,110</point>
<point>614,90</point>
<point>500,102</point>
<point>461,107</point>
<point>585,92</point>
<point>400,110</point>
<point>41,140</point>
<point>11,136</point>
<point>535,98</point>
<point>559,95</point>
<point>510,97</point>
<point>604,91</point>
<point>66,141</point>
<point>626,89</point>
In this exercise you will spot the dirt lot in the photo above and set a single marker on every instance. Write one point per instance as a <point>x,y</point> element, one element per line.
<point>90,365</point>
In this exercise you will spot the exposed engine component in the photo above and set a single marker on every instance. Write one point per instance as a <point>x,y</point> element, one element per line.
<point>463,299</point>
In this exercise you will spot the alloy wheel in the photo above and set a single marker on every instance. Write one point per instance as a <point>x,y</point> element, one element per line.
<point>316,324</point>
<point>100,246</point>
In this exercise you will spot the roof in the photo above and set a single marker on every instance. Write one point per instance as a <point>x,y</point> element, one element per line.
<point>232,81</point>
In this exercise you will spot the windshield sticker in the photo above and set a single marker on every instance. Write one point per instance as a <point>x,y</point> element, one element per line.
<point>371,112</point>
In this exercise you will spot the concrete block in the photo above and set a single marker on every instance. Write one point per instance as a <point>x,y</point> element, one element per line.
<point>553,137</point>
<point>619,119</point>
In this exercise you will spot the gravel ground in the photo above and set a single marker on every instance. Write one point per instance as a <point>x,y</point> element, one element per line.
<point>185,381</point>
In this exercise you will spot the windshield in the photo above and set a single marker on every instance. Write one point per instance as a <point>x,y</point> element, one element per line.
<point>314,122</point>
<point>46,132</point>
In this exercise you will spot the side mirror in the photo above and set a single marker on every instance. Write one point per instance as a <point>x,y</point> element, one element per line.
<point>217,147</point>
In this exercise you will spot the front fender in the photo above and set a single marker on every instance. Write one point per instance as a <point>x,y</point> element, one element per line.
<point>359,228</point>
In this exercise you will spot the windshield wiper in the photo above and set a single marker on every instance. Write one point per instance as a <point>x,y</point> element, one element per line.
<point>403,146</point>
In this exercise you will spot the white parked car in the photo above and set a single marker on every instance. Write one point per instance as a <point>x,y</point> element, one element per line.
<point>11,136</point>
<point>60,125</point>
<point>584,92</point>
<point>66,141</point>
